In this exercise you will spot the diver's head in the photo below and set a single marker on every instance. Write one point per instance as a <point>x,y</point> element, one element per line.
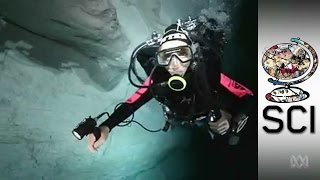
<point>175,52</point>
<point>175,56</point>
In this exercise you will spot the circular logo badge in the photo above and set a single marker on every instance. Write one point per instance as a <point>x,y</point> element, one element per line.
<point>289,64</point>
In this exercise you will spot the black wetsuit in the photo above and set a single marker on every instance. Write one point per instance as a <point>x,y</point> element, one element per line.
<point>193,101</point>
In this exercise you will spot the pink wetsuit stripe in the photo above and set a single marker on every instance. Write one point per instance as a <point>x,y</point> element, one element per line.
<point>234,87</point>
<point>139,92</point>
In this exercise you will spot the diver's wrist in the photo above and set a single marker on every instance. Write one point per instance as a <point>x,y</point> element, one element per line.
<point>104,128</point>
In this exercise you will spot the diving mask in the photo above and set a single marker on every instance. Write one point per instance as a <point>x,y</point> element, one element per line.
<point>183,53</point>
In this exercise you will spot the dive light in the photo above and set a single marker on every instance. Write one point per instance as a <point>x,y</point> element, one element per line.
<point>87,126</point>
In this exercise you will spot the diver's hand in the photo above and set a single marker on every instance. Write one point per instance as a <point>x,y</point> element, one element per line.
<point>93,145</point>
<point>222,125</point>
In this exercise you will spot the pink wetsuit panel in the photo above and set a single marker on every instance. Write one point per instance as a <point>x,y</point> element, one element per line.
<point>139,92</point>
<point>234,87</point>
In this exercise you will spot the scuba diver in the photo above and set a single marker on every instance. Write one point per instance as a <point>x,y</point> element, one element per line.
<point>183,69</point>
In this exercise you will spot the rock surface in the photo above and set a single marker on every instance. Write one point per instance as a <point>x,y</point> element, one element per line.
<point>88,25</point>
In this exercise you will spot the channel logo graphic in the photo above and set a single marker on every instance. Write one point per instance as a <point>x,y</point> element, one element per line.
<point>289,64</point>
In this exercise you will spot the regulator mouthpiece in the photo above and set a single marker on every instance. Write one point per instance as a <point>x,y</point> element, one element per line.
<point>177,83</point>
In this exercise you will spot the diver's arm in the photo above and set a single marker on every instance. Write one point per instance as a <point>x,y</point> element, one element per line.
<point>226,87</point>
<point>242,100</point>
<point>138,99</point>
<point>238,100</point>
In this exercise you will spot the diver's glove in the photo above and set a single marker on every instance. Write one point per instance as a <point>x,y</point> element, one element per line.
<point>220,125</point>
